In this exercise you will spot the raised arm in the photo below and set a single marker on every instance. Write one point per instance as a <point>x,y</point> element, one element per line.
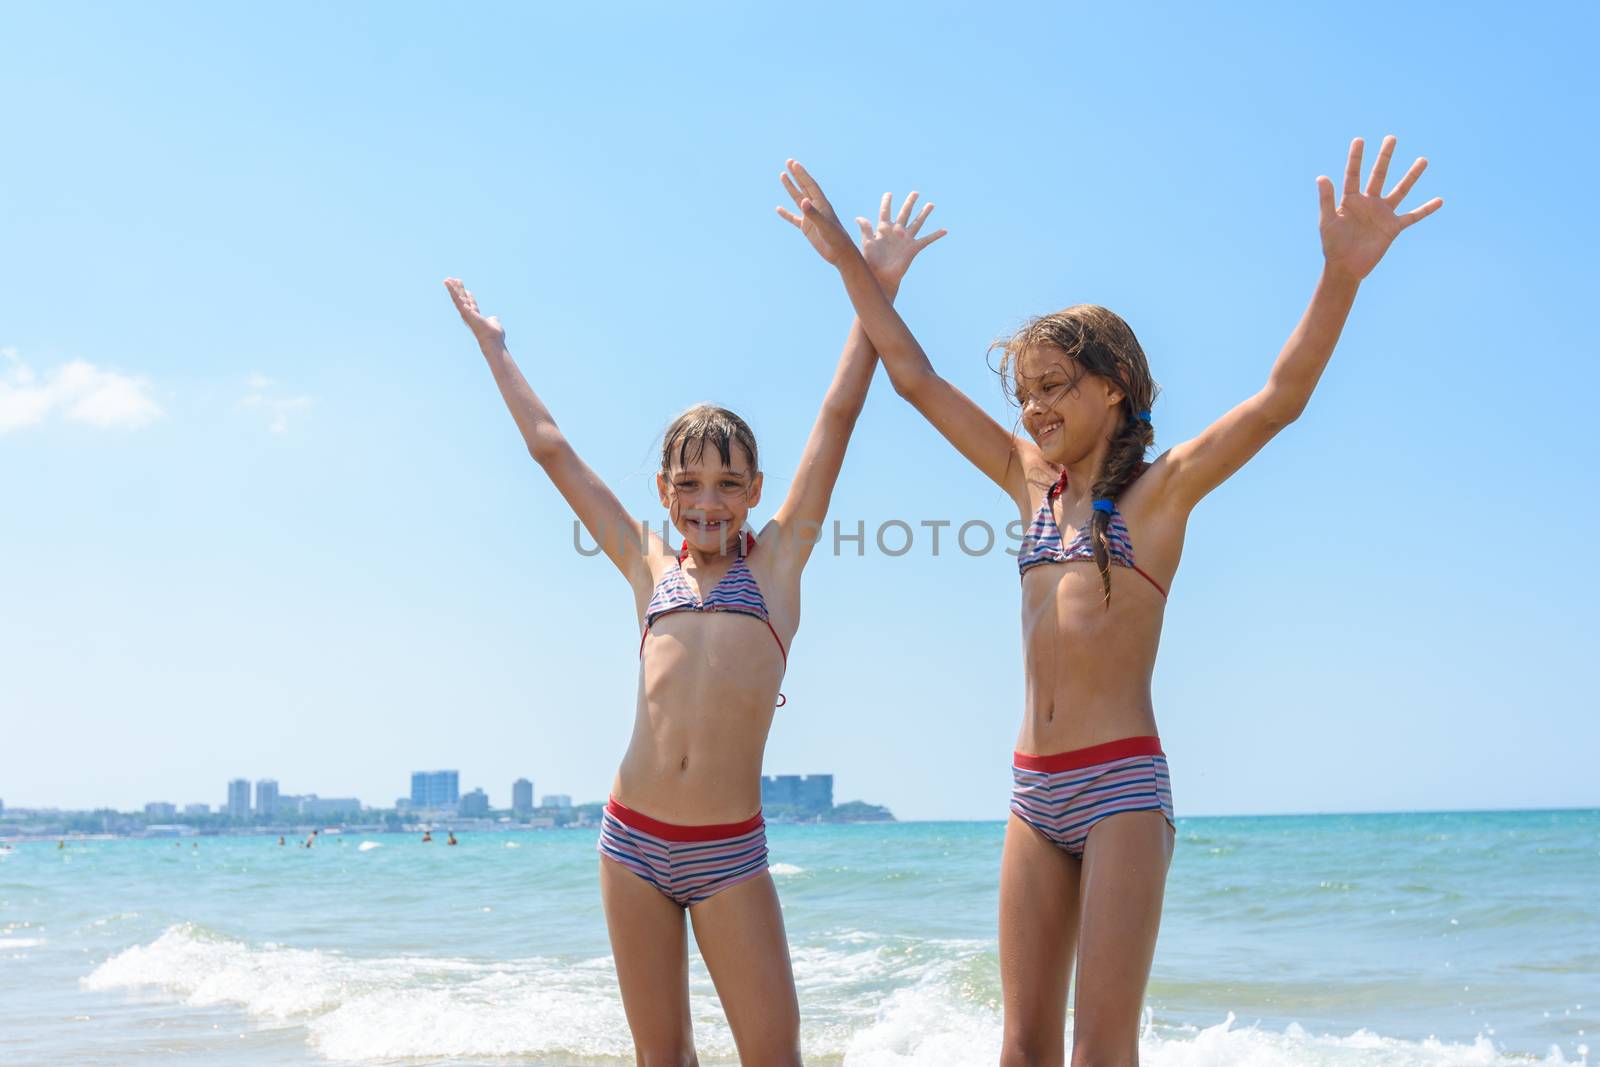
<point>889,249</point>
<point>990,447</point>
<point>1356,232</point>
<point>601,513</point>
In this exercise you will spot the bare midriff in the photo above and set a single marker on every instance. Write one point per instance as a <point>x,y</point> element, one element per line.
<point>1087,664</point>
<point>708,683</point>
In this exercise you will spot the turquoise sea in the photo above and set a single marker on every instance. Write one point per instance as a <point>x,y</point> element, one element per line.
<point>1470,938</point>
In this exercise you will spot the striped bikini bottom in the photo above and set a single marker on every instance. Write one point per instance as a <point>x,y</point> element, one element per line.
<point>1064,795</point>
<point>687,863</point>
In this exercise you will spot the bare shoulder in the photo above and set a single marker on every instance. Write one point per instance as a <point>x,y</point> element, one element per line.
<point>656,560</point>
<point>773,555</point>
<point>777,572</point>
<point>1035,476</point>
<point>1155,517</point>
<point>1148,490</point>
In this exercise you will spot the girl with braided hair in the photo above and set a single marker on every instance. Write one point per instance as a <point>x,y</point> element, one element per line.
<point>1090,834</point>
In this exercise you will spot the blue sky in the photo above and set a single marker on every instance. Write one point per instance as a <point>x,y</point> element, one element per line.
<point>264,514</point>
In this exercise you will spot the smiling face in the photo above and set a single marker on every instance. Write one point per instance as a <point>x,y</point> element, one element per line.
<point>709,480</point>
<point>1081,380</point>
<point>709,500</point>
<point>1066,409</point>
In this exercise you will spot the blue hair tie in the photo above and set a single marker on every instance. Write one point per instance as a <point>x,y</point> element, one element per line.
<point>1143,416</point>
<point>1105,505</point>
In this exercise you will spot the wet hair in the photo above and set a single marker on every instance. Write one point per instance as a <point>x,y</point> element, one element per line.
<point>1099,342</point>
<point>686,439</point>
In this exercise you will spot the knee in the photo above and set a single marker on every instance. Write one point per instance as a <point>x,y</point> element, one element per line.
<point>1026,1050</point>
<point>1098,1054</point>
<point>779,1058</point>
<point>776,1052</point>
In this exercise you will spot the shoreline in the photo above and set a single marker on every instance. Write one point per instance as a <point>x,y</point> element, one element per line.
<point>341,829</point>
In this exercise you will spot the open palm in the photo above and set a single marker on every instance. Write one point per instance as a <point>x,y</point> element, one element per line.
<point>888,248</point>
<point>1359,228</point>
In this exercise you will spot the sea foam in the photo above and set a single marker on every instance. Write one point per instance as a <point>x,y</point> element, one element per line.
<point>896,1003</point>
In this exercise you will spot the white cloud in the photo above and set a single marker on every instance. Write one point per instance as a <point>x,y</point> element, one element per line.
<point>278,408</point>
<point>78,391</point>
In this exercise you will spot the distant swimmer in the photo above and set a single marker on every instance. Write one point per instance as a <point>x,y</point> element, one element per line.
<point>452,838</point>
<point>427,837</point>
<point>311,839</point>
<point>62,843</point>
<point>280,839</point>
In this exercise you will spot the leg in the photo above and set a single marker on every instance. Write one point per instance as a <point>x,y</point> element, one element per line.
<point>1038,928</point>
<point>650,945</point>
<point>740,934</point>
<point>1124,876</point>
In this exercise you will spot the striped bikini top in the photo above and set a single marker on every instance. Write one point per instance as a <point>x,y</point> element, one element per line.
<point>1042,542</point>
<point>737,592</point>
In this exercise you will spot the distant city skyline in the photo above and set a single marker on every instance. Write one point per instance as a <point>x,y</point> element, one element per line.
<point>237,797</point>
<point>438,792</point>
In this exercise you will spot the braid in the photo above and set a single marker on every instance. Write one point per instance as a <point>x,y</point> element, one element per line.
<point>1123,463</point>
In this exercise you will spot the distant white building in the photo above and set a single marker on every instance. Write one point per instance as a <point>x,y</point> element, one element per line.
<point>320,807</point>
<point>197,809</point>
<point>267,797</point>
<point>160,809</point>
<point>239,798</point>
<point>556,800</point>
<point>474,804</point>
<point>522,796</point>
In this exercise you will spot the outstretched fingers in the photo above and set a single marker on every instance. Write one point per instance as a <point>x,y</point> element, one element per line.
<point>922,216</point>
<point>789,187</point>
<point>467,307</point>
<point>883,208</point>
<point>1411,218</point>
<point>1325,198</point>
<point>905,209</point>
<point>1403,186</point>
<point>1352,169</point>
<point>924,242</point>
<point>808,185</point>
<point>1380,168</point>
<point>795,195</point>
<point>463,299</point>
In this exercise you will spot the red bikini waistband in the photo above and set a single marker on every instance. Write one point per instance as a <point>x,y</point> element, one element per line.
<point>673,832</point>
<point>1087,757</point>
